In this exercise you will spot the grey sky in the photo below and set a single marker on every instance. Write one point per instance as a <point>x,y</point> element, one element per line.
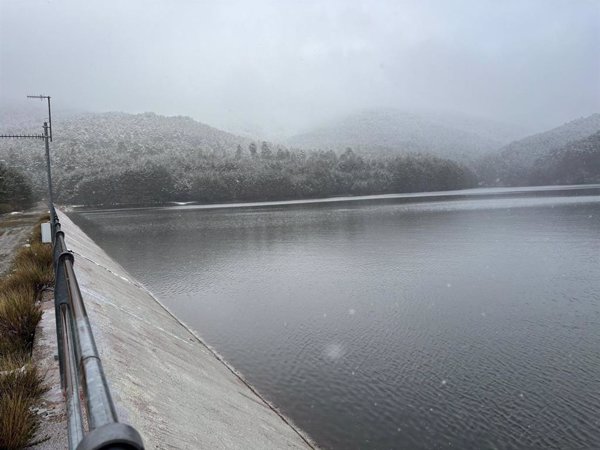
<point>282,66</point>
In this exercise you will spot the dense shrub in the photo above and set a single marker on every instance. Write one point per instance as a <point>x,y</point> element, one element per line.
<point>15,190</point>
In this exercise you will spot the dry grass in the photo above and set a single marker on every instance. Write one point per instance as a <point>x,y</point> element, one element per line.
<point>19,375</point>
<point>12,362</point>
<point>33,265</point>
<point>19,316</point>
<point>18,422</point>
<point>20,383</point>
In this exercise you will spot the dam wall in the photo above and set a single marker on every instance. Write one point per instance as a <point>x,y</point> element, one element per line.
<point>165,381</point>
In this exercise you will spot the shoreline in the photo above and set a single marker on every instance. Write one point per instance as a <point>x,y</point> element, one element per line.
<point>433,195</point>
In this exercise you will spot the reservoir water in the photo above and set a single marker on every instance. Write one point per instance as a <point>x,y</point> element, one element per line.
<point>463,323</point>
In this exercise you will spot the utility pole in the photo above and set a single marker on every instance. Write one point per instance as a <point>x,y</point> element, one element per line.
<point>48,127</point>
<point>42,97</point>
<point>47,137</point>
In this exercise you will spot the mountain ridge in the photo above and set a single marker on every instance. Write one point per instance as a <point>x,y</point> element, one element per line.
<point>392,130</point>
<point>578,162</point>
<point>512,164</point>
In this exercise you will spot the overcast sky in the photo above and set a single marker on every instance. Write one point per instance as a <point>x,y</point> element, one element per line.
<point>282,66</point>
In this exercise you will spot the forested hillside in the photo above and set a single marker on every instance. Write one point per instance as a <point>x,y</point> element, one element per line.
<point>280,176</point>
<point>575,163</point>
<point>514,164</point>
<point>89,146</point>
<point>15,190</point>
<point>120,158</point>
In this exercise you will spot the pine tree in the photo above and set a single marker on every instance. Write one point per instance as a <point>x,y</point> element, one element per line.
<point>252,149</point>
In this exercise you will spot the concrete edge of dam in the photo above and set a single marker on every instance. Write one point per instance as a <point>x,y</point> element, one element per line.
<point>165,381</point>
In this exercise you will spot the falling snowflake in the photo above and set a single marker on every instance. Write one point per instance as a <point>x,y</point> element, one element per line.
<point>334,351</point>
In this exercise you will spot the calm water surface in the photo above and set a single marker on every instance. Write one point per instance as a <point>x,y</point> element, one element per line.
<point>467,324</point>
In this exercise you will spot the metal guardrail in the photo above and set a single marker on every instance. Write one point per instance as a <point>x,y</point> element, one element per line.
<point>81,370</point>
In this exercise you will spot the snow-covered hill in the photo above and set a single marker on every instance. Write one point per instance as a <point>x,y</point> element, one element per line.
<point>578,162</point>
<point>513,164</point>
<point>90,144</point>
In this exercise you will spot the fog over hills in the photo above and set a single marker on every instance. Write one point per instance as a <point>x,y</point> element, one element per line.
<point>119,158</point>
<point>512,164</point>
<point>394,131</point>
<point>90,149</point>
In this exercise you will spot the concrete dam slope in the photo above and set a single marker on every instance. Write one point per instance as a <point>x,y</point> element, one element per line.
<point>165,382</point>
